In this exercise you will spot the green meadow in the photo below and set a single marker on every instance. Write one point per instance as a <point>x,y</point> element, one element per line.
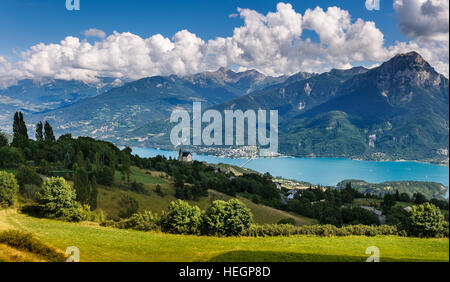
<point>101,244</point>
<point>109,198</point>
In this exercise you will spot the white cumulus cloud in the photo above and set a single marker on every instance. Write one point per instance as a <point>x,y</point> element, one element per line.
<point>427,19</point>
<point>273,43</point>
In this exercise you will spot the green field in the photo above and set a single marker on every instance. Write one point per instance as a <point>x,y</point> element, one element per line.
<point>107,244</point>
<point>109,197</point>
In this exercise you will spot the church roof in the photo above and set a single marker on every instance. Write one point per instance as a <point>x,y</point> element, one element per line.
<point>185,154</point>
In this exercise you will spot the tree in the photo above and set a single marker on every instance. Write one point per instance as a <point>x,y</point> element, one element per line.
<point>399,217</point>
<point>94,193</point>
<point>388,202</point>
<point>129,206</point>
<point>48,133</point>
<point>8,189</point>
<point>3,140</point>
<point>181,191</point>
<point>357,215</point>
<point>97,161</point>
<point>227,218</point>
<point>23,127</point>
<point>79,159</point>
<point>330,215</point>
<point>10,157</point>
<point>16,126</point>
<point>159,191</point>
<point>81,184</point>
<point>39,133</point>
<point>20,132</point>
<point>125,168</point>
<point>57,199</point>
<point>404,197</point>
<point>181,218</point>
<point>26,175</point>
<point>397,195</point>
<point>419,198</point>
<point>127,151</point>
<point>426,221</point>
<point>348,194</point>
<point>56,195</point>
<point>105,176</point>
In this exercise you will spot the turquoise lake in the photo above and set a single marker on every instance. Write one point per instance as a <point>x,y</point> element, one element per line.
<point>326,171</point>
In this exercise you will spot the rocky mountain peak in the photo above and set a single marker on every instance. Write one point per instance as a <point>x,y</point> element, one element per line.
<point>408,69</point>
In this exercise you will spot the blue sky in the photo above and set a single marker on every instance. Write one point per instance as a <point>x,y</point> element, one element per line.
<point>42,38</point>
<point>24,23</point>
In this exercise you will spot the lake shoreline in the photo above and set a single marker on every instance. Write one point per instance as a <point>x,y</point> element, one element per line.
<point>325,171</point>
<point>302,157</point>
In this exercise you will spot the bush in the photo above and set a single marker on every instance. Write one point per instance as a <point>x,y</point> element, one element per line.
<point>129,206</point>
<point>26,242</point>
<point>110,223</point>
<point>159,191</point>
<point>56,195</point>
<point>8,189</point>
<point>138,187</point>
<point>226,218</point>
<point>426,221</point>
<point>445,232</point>
<point>318,230</point>
<point>288,220</point>
<point>142,221</point>
<point>76,213</point>
<point>57,200</point>
<point>30,191</point>
<point>181,218</point>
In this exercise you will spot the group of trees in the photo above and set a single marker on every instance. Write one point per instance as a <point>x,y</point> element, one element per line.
<point>56,198</point>
<point>327,206</point>
<point>417,199</point>
<point>331,206</point>
<point>425,218</point>
<point>85,186</point>
<point>89,162</point>
<point>219,219</point>
<point>84,160</point>
<point>20,132</point>
<point>192,180</point>
<point>47,135</point>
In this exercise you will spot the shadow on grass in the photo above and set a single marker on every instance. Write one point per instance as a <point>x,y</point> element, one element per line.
<point>266,256</point>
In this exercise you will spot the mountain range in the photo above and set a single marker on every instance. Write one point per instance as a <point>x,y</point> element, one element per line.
<point>398,110</point>
<point>46,94</point>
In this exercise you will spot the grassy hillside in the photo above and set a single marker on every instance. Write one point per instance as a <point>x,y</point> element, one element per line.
<point>8,254</point>
<point>107,244</point>
<point>109,198</point>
